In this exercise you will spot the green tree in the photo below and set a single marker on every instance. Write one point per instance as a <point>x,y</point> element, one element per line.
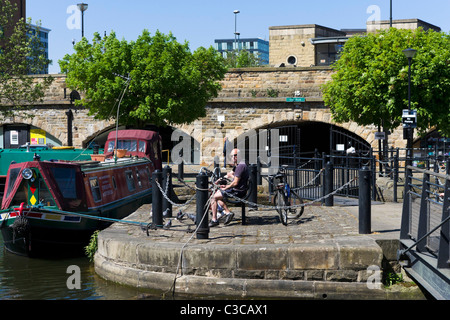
<point>241,59</point>
<point>169,83</point>
<point>21,53</point>
<point>370,85</point>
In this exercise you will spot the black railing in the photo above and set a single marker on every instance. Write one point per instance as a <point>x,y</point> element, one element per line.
<point>425,229</point>
<point>306,172</point>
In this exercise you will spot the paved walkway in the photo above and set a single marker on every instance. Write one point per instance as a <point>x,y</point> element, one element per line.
<point>263,226</point>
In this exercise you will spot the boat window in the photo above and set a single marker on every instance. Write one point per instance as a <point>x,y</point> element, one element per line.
<point>66,180</point>
<point>21,195</point>
<point>95,189</point>
<point>110,147</point>
<point>45,197</point>
<point>13,174</point>
<point>142,145</point>
<point>130,145</point>
<point>130,180</point>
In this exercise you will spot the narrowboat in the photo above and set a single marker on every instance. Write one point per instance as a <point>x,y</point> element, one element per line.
<point>26,153</point>
<point>51,208</point>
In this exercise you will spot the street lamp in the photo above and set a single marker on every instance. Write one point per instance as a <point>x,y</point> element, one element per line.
<point>409,53</point>
<point>82,7</point>
<point>235,27</point>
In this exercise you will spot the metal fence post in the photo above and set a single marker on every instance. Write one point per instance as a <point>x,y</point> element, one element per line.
<point>157,218</point>
<point>444,243</point>
<point>395,175</point>
<point>423,225</point>
<point>329,202</point>
<point>201,220</point>
<point>365,214</point>
<point>258,171</point>
<point>167,185</point>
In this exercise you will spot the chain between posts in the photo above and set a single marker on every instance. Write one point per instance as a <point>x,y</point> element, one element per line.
<point>164,193</point>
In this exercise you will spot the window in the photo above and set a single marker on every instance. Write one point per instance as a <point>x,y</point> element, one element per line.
<point>130,145</point>
<point>110,147</point>
<point>130,180</point>
<point>95,189</point>
<point>142,145</point>
<point>291,60</point>
<point>66,180</point>
<point>13,174</point>
<point>45,197</point>
<point>326,54</point>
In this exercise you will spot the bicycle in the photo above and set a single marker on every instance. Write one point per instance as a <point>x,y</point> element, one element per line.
<point>289,204</point>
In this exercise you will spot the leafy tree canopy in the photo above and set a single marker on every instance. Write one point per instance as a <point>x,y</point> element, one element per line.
<point>370,85</point>
<point>21,53</point>
<point>241,59</point>
<point>169,83</point>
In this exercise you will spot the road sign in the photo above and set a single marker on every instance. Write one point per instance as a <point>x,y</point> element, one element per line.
<point>409,118</point>
<point>380,135</point>
<point>296,99</point>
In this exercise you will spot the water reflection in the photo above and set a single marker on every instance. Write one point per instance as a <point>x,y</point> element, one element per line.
<point>46,279</point>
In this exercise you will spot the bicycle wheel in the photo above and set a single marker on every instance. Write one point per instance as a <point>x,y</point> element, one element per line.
<point>296,209</point>
<point>280,201</point>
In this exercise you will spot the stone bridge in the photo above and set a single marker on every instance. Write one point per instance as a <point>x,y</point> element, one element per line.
<point>251,99</point>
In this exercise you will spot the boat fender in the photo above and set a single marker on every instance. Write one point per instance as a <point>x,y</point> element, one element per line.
<point>21,225</point>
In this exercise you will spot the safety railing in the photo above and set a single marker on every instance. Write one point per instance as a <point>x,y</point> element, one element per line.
<point>425,229</point>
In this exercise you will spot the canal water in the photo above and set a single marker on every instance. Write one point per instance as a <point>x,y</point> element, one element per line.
<point>23,278</point>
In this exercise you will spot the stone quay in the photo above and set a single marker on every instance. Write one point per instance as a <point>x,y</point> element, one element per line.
<point>321,255</point>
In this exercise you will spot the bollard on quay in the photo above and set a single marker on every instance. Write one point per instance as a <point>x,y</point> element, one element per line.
<point>201,219</point>
<point>167,185</point>
<point>181,170</point>
<point>364,201</point>
<point>253,196</point>
<point>157,217</point>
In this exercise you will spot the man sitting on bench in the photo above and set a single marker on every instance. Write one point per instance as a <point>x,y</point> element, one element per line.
<point>237,187</point>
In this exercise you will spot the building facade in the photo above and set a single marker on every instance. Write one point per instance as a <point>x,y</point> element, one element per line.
<point>42,34</point>
<point>256,46</point>
<point>315,45</point>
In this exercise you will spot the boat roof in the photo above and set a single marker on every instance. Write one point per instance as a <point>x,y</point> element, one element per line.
<point>133,134</point>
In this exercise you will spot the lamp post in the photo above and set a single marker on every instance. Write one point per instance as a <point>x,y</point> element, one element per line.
<point>409,53</point>
<point>390,17</point>
<point>82,7</point>
<point>235,27</point>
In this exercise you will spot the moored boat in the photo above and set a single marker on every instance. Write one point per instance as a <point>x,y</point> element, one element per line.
<point>52,207</point>
<point>26,153</point>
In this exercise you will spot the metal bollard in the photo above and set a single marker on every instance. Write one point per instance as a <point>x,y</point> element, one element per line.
<point>157,218</point>
<point>364,200</point>
<point>258,171</point>
<point>181,170</point>
<point>253,196</point>
<point>167,179</point>
<point>201,219</point>
<point>329,201</point>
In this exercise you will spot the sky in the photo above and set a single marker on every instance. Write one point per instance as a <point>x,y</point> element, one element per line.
<point>200,22</point>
